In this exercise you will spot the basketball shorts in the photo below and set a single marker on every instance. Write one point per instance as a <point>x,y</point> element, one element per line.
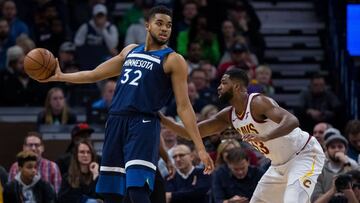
<point>299,174</point>
<point>130,153</point>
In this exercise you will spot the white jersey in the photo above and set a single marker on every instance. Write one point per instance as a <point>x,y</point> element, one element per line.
<point>278,150</point>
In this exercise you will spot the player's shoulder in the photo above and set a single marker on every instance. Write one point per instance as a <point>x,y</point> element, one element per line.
<point>263,100</point>
<point>174,57</point>
<point>125,51</point>
<point>175,61</point>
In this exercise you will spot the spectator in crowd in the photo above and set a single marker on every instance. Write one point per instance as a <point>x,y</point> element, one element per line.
<point>56,111</point>
<point>200,79</point>
<point>27,185</point>
<point>352,132</point>
<point>107,93</point>
<point>200,31</point>
<point>17,27</point>
<point>79,183</point>
<point>132,16</point>
<point>97,39</point>
<point>337,163</point>
<point>319,130</point>
<point>6,41</point>
<point>318,104</point>
<point>211,143</point>
<point>210,69</point>
<point>25,43</point>
<point>263,77</point>
<point>248,25</point>
<point>189,184</point>
<point>16,86</point>
<point>193,58</point>
<point>54,37</point>
<point>344,188</point>
<point>240,58</point>
<point>169,140</point>
<point>197,102</point>
<point>48,170</point>
<point>81,131</point>
<point>50,29</point>
<point>136,33</point>
<point>66,54</point>
<point>222,151</point>
<point>189,12</point>
<point>3,176</point>
<point>228,36</point>
<point>236,180</point>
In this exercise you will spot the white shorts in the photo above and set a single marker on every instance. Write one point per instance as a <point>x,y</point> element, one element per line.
<point>300,174</point>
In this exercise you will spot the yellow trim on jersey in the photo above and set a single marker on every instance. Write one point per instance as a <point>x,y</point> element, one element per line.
<point>311,172</point>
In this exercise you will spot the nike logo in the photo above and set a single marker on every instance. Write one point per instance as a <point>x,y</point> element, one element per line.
<point>146,121</point>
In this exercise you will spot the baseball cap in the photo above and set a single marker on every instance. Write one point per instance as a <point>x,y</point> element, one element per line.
<point>67,47</point>
<point>99,8</point>
<point>333,134</point>
<point>81,128</point>
<point>238,47</point>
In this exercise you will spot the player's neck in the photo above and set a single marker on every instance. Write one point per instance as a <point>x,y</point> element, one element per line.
<point>150,45</point>
<point>239,103</point>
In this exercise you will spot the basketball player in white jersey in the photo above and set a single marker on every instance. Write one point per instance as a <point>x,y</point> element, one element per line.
<point>296,157</point>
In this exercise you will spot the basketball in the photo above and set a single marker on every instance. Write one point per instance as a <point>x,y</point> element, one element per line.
<point>40,64</point>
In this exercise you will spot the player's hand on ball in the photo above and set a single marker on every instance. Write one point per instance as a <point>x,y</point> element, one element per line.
<point>57,74</point>
<point>207,161</point>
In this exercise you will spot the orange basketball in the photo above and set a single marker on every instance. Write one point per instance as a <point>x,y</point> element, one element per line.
<point>40,64</point>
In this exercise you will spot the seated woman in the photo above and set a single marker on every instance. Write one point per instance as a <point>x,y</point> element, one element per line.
<point>79,183</point>
<point>56,110</point>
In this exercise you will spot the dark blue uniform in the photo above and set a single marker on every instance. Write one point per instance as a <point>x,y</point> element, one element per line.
<point>131,146</point>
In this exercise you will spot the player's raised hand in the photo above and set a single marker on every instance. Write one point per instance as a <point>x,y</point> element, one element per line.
<point>207,161</point>
<point>56,75</point>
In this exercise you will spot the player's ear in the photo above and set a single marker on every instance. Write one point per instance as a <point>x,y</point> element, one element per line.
<point>147,25</point>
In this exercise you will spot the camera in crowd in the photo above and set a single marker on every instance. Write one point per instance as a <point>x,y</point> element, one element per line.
<point>343,182</point>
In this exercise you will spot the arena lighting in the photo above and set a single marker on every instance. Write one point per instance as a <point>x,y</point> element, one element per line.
<point>353,29</point>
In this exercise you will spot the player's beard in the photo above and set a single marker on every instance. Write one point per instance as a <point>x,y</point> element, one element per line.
<point>226,97</point>
<point>156,40</point>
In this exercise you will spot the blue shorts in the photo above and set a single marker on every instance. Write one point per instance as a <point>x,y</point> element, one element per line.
<point>130,153</point>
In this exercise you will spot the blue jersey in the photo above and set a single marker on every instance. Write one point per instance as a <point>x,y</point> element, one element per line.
<point>143,86</point>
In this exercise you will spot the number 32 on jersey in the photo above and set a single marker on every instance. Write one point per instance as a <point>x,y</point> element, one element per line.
<point>130,76</point>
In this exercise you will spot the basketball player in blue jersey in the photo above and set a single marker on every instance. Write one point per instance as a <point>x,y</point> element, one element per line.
<point>149,73</point>
<point>296,157</point>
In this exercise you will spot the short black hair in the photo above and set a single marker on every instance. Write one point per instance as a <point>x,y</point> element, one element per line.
<point>238,74</point>
<point>24,156</point>
<point>236,155</point>
<point>158,9</point>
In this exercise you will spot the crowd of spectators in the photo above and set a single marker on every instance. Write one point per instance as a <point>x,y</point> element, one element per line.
<point>83,34</point>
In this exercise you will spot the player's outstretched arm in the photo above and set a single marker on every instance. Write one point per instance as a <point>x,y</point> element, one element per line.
<point>176,66</point>
<point>266,107</point>
<point>211,126</point>
<point>107,69</point>
<point>173,126</point>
